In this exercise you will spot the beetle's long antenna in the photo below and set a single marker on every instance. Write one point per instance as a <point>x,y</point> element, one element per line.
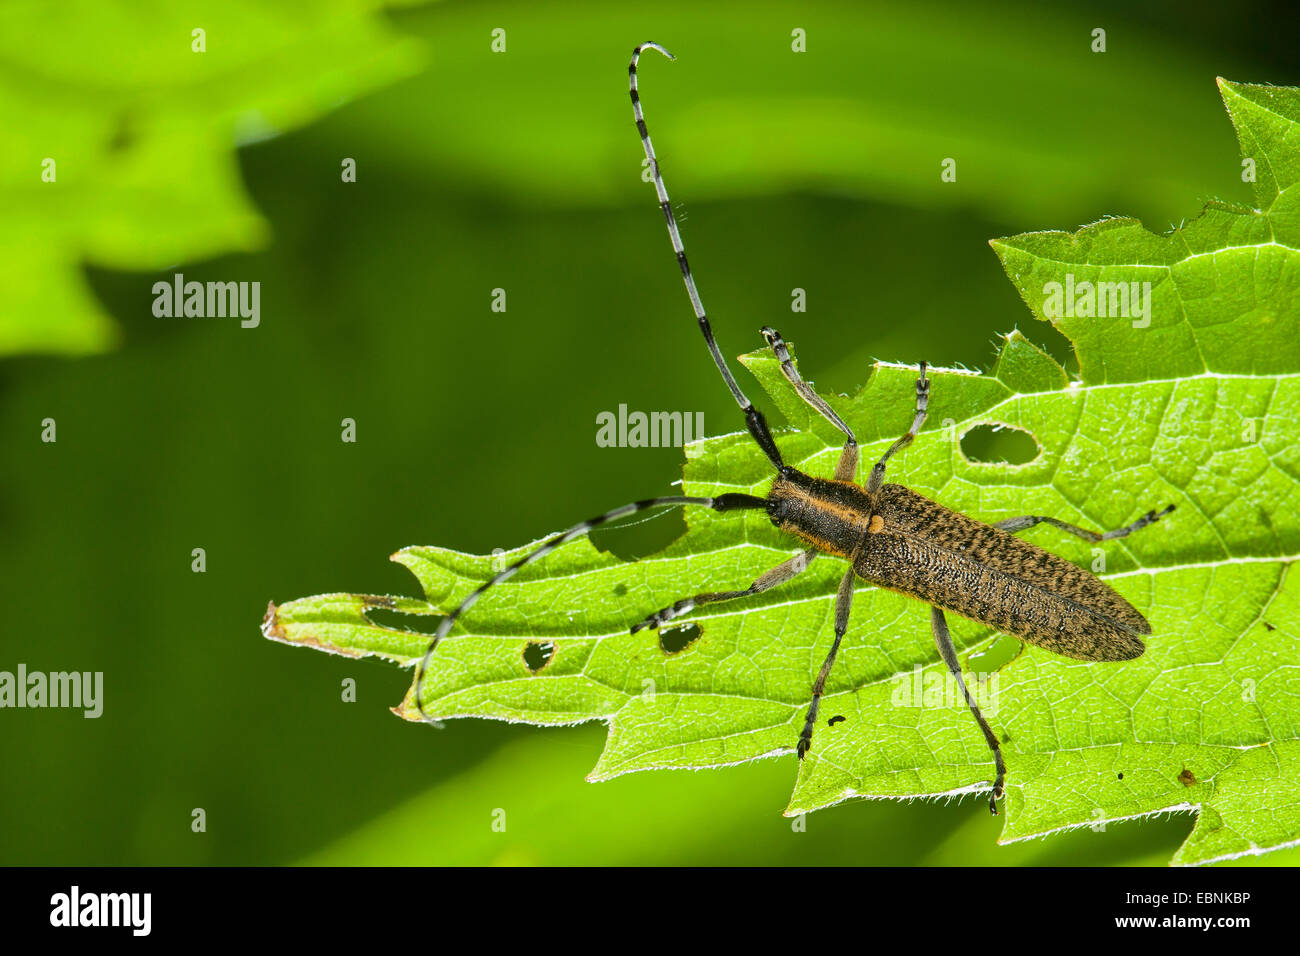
<point>727,502</point>
<point>754,419</point>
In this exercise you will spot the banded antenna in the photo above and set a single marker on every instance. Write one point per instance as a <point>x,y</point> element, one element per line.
<point>754,419</point>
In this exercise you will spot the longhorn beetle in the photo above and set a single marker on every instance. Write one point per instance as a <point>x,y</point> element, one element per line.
<point>891,536</point>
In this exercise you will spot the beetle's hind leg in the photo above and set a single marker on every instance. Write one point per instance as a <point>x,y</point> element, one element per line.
<point>769,579</point>
<point>1028,521</point>
<point>942,637</point>
<point>843,604</point>
<point>847,469</point>
<point>922,403</point>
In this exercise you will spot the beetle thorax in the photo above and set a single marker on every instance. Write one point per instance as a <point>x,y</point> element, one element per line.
<point>832,516</point>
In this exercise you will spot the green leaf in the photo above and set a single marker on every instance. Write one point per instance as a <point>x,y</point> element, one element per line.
<point>1197,407</point>
<point>142,134</point>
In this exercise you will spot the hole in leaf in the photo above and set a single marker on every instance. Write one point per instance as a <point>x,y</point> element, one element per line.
<point>538,655</point>
<point>996,656</point>
<point>674,640</point>
<point>620,589</point>
<point>999,444</point>
<point>834,720</point>
<point>401,621</point>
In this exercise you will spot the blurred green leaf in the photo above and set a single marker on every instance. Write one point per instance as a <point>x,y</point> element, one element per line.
<point>527,804</point>
<point>142,131</point>
<point>1199,406</point>
<point>870,110</point>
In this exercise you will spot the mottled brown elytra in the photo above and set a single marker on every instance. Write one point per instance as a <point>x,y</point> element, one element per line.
<point>888,534</point>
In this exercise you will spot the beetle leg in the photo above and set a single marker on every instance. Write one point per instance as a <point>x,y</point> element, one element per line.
<point>1028,521</point>
<point>843,604</point>
<point>769,579</point>
<point>942,637</point>
<point>847,469</point>
<point>922,402</point>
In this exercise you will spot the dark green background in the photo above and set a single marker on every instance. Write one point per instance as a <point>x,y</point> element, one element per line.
<point>476,429</point>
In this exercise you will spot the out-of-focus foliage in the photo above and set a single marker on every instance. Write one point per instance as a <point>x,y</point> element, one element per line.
<point>121,136</point>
